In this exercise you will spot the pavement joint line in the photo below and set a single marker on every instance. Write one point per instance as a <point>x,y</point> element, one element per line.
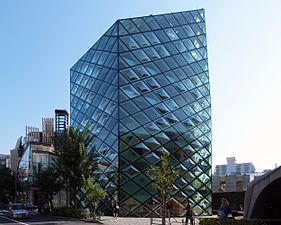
<point>15,221</point>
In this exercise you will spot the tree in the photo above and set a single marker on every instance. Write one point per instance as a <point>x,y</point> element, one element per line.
<point>76,160</point>
<point>48,182</point>
<point>95,192</point>
<point>7,183</point>
<point>163,176</point>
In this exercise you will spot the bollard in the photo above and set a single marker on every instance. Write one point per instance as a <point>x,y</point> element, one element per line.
<point>87,213</point>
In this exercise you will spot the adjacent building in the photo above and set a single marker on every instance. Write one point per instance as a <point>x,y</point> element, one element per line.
<point>4,160</point>
<point>233,168</point>
<point>143,90</point>
<point>16,154</point>
<point>36,151</point>
<point>232,177</point>
<point>61,121</point>
<point>61,126</point>
<point>231,183</point>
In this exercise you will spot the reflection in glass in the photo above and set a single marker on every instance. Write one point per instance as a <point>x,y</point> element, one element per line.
<point>144,88</point>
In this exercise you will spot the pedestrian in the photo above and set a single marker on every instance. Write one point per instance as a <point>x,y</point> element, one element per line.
<point>224,210</point>
<point>115,209</point>
<point>188,213</point>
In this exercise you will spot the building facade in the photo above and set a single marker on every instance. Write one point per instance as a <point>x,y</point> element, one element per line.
<point>143,91</point>
<point>37,152</point>
<point>4,160</point>
<point>231,183</point>
<point>233,168</point>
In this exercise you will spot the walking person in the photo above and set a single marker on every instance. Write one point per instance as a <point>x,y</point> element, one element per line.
<point>189,213</point>
<point>115,209</point>
<point>224,211</point>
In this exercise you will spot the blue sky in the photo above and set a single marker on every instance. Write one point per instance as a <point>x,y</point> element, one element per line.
<point>41,40</point>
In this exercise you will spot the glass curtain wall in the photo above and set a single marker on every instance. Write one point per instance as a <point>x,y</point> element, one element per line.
<point>143,89</point>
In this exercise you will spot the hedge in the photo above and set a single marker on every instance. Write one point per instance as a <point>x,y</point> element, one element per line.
<point>213,221</point>
<point>69,212</point>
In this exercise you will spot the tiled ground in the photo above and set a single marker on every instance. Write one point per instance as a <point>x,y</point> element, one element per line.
<point>138,221</point>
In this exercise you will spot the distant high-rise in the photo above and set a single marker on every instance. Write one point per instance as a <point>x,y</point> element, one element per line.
<point>143,91</point>
<point>233,168</point>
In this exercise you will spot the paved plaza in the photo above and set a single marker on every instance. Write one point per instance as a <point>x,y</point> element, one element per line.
<point>106,220</point>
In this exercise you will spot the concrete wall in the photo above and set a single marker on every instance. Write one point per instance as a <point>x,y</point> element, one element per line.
<point>263,195</point>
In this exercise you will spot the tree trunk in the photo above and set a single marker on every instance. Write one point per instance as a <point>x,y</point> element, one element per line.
<point>164,206</point>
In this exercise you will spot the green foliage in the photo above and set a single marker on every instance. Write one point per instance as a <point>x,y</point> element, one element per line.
<point>214,221</point>
<point>7,180</point>
<point>76,161</point>
<point>69,212</point>
<point>95,192</point>
<point>164,175</point>
<point>48,182</point>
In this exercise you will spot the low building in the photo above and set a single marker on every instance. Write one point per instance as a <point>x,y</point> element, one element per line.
<point>4,160</point>
<point>231,183</point>
<point>37,153</point>
<point>16,154</point>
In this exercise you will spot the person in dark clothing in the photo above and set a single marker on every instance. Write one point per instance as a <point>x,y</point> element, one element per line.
<point>115,209</point>
<point>188,213</point>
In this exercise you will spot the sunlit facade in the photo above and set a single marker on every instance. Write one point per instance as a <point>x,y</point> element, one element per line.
<point>143,89</point>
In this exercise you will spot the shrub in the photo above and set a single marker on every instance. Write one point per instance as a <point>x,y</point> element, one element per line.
<point>69,212</point>
<point>213,221</point>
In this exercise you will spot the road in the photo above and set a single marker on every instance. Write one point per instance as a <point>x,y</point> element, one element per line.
<point>39,220</point>
<point>5,221</point>
<point>53,220</point>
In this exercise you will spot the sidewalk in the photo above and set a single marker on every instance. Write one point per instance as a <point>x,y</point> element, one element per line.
<point>109,220</point>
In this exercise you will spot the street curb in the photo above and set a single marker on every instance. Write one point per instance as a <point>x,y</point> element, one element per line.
<point>15,221</point>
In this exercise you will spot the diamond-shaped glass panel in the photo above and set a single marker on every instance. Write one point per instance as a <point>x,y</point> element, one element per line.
<point>144,90</point>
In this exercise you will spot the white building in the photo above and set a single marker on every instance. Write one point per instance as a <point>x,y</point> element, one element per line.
<point>233,168</point>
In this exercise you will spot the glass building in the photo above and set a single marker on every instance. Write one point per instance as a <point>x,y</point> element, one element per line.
<point>143,88</point>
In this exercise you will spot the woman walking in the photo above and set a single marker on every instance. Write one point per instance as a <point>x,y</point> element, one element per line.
<point>188,213</point>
